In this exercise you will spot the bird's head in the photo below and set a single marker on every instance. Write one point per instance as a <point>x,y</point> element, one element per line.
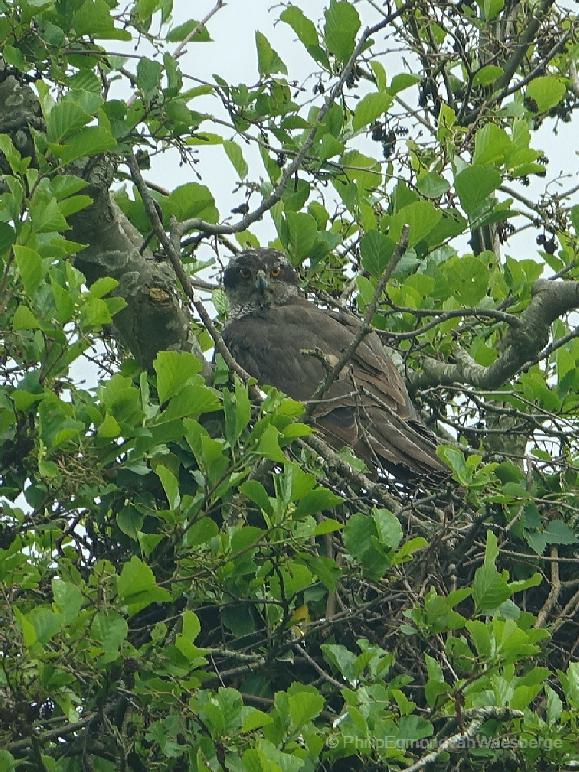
<point>256,279</point>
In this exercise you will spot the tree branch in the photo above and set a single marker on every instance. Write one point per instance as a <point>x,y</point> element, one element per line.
<point>550,300</point>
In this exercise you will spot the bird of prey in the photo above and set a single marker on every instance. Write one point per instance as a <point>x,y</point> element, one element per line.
<point>286,341</point>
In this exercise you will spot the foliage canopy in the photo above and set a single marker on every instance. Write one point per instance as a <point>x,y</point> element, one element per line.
<point>189,577</point>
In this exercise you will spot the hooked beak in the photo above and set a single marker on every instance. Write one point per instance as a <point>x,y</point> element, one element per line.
<point>261,283</point>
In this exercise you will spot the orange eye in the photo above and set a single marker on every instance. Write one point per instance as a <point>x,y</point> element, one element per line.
<point>275,271</point>
<point>245,273</point>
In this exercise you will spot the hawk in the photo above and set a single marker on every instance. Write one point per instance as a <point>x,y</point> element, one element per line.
<point>286,341</point>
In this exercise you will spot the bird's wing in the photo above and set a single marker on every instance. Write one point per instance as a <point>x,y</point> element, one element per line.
<point>367,407</point>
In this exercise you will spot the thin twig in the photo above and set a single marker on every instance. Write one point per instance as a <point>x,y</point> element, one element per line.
<point>170,246</point>
<point>180,50</point>
<point>365,327</point>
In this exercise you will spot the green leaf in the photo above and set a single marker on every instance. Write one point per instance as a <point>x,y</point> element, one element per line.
<point>137,587</point>
<point>376,251</point>
<point>255,491</point>
<point>182,31</point>
<point>432,185</point>
<point>301,25</point>
<point>558,532</point>
<point>68,598</point>
<point>369,108</point>
<point>468,279</point>
<point>388,527</point>
<point>9,151</point>
<point>190,629</point>
<point>305,703</point>
<point>487,75</point>
<point>30,267</point>
<point>93,18</point>
<point>170,485</point>
<point>268,60</point>
<point>403,80</point>
<point>546,92</point>
<point>65,118</point>
<point>149,75</point>
<point>174,370</point>
<point>110,630</point>
<point>420,216</point>
<point>235,155</point>
<point>474,184</point>
<point>90,141</point>
<point>491,144</point>
<point>317,500</point>
<point>342,25</point>
<point>268,445</point>
<point>191,200</point>
<point>24,319</point>
<point>193,399</point>
<point>302,230</point>
<point>7,237</point>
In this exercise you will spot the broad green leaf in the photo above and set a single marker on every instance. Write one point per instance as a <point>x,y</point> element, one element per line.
<point>191,200</point>
<point>110,630</point>
<point>174,370</point>
<point>489,589</point>
<point>255,491</point>
<point>68,598</point>
<point>94,18</point>
<point>182,31</point>
<point>487,75</point>
<point>24,319</point>
<point>432,185</point>
<point>30,267</point>
<point>148,75</point>
<point>170,485</point>
<point>388,527</point>
<point>268,60</point>
<point>137,586</point>
<point>403,80</point>
<point>9,151</point>
<point>302,233</point>
<point>369,108</point>
<point>87,142</point>
<point>268,445</point>
<point>342,25</point>
<point>420,216</point>
<point>546,92</point>
<point>474,184</point>
<point>65,119</point>
<point>491,144</point>
<point>191,627</point>
<point>235,155</point>
<point>7,237</point>
<point>376,251</point>
<point>305,703</point>
<point>317,500</point>
<point>301,25</point>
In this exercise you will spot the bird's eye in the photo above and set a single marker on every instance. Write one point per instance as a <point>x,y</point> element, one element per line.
<point>276,271</point>
<point>245,273</point>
